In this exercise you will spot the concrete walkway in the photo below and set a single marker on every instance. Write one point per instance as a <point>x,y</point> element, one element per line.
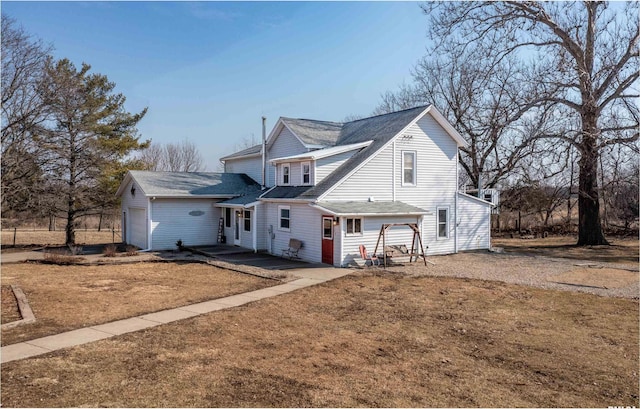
<point>22,350</point>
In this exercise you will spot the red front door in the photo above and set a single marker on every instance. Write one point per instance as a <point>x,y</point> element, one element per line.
<point>327,240</point>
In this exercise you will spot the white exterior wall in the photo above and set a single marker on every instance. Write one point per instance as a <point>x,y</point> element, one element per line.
<point>371,230</point>
<point>250,166</point>
<point>306,226</point>
<point>381,178</point>
<point>474,219</point>
<point>137,201</point>
<point>436,179</point>
<point>170,221</point>
<point>261,226</point>
<point>285,144</point>
<point>324,166</point>
<point>372,180</point>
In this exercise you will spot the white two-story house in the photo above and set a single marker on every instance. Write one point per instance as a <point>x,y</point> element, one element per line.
<point>330,185</point>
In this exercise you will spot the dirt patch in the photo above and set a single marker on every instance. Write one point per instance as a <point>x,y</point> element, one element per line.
<point>597,277</point>
<point>10,310</point>
<point>621,250</point>
<point>374,341</point>
<point>70,297</point>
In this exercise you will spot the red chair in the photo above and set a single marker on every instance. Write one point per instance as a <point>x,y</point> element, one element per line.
<point>366,257</point>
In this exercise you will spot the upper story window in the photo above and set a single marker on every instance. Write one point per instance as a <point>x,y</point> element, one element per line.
<point>286,174</point>
<point>408,168</point>
<point>306,173</point>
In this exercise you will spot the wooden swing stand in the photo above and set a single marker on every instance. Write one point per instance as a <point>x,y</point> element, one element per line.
<point>417,251</point>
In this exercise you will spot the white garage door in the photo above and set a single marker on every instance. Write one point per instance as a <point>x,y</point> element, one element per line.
<point>138,227</point>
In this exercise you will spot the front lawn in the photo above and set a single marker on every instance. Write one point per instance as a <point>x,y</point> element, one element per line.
<point>70,297</point>
<point>378,341</point>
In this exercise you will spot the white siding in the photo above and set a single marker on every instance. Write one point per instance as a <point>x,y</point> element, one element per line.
<point>261,226</point>
<point>373,179</point>
<point>436,155</point>
<point>306,226</point>
<point>138,227</point>
<point>371,231</point>
<point>128,203</point>
<point>324,166</point>
<point>250,166</point>
<point>285,144</point>
<point>195,221</point>
<point>474,224</point>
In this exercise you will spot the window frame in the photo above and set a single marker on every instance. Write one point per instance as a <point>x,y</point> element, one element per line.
<point>439,222</point>
<point>288,174</point>
<point>247,219</point>
<point>302,174</point>
<point>280,218</point>
<point>227,217</point>
<point>353,225</point>
<point>414,169</point>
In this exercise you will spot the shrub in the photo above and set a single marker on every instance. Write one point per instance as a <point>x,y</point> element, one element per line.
<point>131,250</point>
<point>110,250</point>
<point>61,257</point>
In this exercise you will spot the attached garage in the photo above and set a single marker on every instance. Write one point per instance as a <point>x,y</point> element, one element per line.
<point>160,208</point>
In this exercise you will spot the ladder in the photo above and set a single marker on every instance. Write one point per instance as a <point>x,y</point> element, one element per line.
<point>220,229</point>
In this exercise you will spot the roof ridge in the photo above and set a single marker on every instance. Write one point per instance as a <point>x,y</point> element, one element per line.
<point>389,113</point>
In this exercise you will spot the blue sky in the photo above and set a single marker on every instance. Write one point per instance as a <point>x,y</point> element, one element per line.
<point>208,71</point>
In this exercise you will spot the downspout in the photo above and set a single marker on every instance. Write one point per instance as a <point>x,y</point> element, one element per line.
<point>255,228</point>
<point>264,152</point>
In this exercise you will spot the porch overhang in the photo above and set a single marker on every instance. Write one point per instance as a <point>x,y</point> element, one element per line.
<point>369,209</point>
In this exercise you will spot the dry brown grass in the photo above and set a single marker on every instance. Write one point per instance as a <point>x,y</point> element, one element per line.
<point>43,238</point>
<point>10,311</point>
<point>621,250</point>
<point>383,341</point>
<point>69,297</point>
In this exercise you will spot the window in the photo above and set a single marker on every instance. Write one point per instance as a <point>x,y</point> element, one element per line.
<point>227,217</point>
<point>247,220</point>
<point>285,217</point>
<point>306,173</point>
<point>354,226</point>
<point>327,228</point>
<point>285,174</point>
<point>408,168</point>
<point>443,222</point>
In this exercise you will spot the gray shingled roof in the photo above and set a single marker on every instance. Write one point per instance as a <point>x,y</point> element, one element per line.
<point>285,192</point>
<point>249,151</point>
<point>193,184</point>
<point>248,197</point>
<point>313,132</point>
<point>381,129</point>
<point>371,208</point>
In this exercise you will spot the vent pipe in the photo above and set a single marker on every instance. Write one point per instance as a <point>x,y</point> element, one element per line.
<point>264,152</point>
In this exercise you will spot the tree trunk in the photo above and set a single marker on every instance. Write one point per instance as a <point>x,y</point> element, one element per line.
<point>589,227</point>
<point>71,230</point>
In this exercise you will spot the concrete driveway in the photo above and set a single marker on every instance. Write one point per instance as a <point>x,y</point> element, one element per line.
<point>239,255</point>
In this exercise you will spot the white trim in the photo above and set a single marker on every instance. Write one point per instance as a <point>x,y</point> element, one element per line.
<point>302,165</point>
<point>280,208</point>
<point>415,168</point>
<point>282,167</point>
<point>477,199</point>
<point>448,223</point>
<point>331,212</point>
<point>354,233</point>
<point>322,153</point>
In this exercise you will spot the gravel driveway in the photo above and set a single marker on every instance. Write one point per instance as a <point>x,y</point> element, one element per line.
<point>535,271</point>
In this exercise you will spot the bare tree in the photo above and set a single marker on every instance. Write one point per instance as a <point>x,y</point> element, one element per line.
<point>23,112</point>
<point>583,56</point>
<point>183,156</point>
